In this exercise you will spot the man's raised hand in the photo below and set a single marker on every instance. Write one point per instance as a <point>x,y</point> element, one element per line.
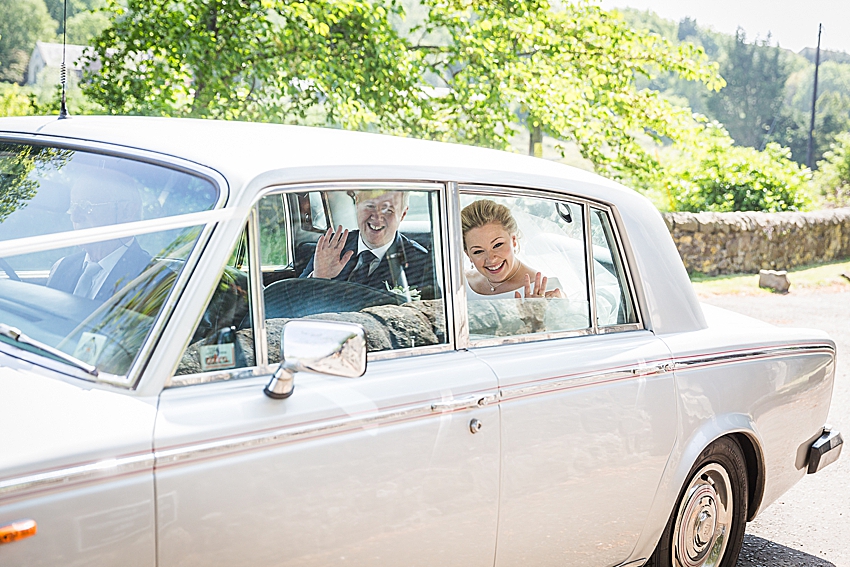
<point>329,259</point>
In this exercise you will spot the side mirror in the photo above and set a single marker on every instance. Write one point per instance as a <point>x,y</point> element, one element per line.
<point>328,347</point>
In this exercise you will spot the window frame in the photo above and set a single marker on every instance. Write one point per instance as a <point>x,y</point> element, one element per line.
<point>587,205</point>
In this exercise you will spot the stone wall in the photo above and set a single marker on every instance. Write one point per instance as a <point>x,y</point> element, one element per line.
<point>730,243</point>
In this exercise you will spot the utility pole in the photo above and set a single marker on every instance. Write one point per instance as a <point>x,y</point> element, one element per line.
<point>814,103</point>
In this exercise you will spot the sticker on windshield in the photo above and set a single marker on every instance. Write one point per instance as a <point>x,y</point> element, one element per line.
<point>89,347</point>
<point>217,357</point>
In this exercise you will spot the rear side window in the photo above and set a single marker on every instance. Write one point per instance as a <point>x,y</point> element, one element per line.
<point>541,265</point>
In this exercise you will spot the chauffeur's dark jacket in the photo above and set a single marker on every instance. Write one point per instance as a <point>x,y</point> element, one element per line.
<point>404,256</point>
<point>130,265</point>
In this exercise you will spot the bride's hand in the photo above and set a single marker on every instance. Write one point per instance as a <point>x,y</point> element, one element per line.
<point>538,288</point>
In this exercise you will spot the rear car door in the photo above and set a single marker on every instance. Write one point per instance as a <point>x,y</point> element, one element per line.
<point>380,469</point>
<point>588,411</point>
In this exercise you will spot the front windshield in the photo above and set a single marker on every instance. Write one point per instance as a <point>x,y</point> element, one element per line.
<point>90,247</point>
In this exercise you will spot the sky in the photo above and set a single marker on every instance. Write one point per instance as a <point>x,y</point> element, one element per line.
<point>793,24</point>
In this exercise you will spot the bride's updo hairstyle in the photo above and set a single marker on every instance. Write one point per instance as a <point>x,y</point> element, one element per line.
<point>484,211</point>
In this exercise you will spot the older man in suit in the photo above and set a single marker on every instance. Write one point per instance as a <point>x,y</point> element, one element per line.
<point>375,255</point>
<point>101,198</point>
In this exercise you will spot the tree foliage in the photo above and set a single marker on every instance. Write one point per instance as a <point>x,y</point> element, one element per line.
<point>833,176</point>
<point>572,71</point>
<point>328,61</point>
<point>712,174</point>
<point>22,24</point>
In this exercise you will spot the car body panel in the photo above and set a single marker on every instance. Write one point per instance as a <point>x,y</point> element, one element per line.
<point>344,471</point>
<point>76,459</point>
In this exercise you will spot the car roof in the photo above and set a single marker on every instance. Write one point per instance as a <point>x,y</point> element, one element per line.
<point>251,156</point>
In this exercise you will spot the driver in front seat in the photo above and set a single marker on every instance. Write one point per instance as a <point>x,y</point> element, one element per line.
<point>376,255</point>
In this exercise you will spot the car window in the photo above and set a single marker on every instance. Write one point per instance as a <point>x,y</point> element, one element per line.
<point>385,273</point>
<point>509,239</point>
<point>613,301</point>
<point>98,299</point>
<point>217,343</point>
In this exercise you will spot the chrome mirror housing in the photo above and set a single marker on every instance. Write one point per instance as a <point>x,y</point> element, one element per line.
<point>329,347</point>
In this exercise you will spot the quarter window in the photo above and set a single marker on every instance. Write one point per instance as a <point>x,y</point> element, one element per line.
<point>613,301</point>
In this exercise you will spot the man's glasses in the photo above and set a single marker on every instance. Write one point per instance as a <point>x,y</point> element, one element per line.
<point>86,207</point>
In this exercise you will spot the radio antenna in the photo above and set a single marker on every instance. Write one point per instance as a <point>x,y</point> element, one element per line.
<point>63,73</point>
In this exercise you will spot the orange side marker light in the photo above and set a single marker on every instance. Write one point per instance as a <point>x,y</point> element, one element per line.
<point>20,529</point>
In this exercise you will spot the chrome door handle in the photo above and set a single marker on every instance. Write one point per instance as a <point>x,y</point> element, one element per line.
<point>463,403</point>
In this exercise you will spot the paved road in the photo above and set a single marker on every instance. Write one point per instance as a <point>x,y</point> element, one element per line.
<point>810,525</point>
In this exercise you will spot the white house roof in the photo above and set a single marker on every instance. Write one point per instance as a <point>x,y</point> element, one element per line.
<point>51,54</point>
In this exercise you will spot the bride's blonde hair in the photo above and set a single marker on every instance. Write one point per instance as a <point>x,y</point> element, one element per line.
<point>484,211</point>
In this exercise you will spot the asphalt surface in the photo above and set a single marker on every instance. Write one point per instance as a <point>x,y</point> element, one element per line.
<point>809,525</point>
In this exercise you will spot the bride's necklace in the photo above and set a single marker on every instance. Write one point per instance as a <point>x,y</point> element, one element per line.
<point>494,286</point>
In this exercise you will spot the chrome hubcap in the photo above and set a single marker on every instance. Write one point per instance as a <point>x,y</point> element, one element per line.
<point>703,519</point>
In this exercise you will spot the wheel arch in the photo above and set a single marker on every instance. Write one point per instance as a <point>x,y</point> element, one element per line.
<point>736,426</point>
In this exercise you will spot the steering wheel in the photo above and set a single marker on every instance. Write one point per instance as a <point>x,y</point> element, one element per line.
<point>6,267</point>
<point>299,297</point>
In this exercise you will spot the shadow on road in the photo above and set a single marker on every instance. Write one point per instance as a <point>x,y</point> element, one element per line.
<point>758,552</point>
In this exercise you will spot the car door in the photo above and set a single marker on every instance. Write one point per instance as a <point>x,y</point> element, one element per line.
<point>385,468</point>
<point>587,410</point>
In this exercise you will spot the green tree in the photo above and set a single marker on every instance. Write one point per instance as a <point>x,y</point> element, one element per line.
<point>571,70</point>
<point>56,8</point>
<point>832,180</point>
<point>22,24</point>
<point>713,174</point>
<point>324,61</point>
<point>755,76</point>
<point>84,26</point>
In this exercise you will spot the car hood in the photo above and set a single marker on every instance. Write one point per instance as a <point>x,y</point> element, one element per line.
<point>50,422</point>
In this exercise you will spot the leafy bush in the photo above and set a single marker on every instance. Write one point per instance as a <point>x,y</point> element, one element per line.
<point>14,101</point>
<point>712,174</point>
<point>832,179</point>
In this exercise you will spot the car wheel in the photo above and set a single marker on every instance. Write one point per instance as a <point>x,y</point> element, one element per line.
<point>706,528</point>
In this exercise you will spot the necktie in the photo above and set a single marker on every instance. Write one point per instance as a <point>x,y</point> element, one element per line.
<point>366,264</point>
<point>84,284</point>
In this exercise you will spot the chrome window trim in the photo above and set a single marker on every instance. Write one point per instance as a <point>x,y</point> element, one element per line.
<point>590,271</point>
<point>255,292</point>
<point>531,338</point>
<point>620,328</point>
<point>627,274</point>
<point>134,375</point>
<point>454,259</point>
<point>393,354</point>
<point>178,381</point>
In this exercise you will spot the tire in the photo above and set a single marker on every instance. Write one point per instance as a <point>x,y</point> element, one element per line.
<point>706,527</point>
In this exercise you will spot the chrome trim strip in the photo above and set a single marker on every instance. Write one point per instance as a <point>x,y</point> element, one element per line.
<point>60,478</point>
<point>453,237</point>
<point>590,272</point>
<point>255,291</point>
<point>211,449</point>
<point>530,338</point>
<point>701,361</point>
<point>407,352</point>
<point>582,380</point>
<point>181,380</point>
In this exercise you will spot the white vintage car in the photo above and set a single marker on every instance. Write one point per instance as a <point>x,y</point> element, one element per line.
<point>198,367</point>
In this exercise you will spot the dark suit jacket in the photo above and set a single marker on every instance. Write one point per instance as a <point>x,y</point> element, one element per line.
<point>405,259</point>
<point>70,268</point>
